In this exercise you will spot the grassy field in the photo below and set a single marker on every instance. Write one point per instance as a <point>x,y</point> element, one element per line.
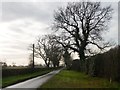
<point>9,80</point>
<point>73,79</point>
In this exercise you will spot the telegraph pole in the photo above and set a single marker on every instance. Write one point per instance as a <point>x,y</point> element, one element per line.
<point>33,55</point>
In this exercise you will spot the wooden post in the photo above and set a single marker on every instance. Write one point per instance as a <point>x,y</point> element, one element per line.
<point>33,55</point>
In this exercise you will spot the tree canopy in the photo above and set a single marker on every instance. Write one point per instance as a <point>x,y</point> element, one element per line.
<point>82,24</point>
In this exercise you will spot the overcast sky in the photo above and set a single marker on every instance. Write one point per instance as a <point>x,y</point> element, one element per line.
<point>22,22</point>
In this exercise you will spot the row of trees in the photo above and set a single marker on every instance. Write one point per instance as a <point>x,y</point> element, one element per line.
<point>3,64</point>
<point>48,49</point>
<point>79,26</point>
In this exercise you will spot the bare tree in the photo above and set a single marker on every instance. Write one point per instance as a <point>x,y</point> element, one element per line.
<point>47,49</point>
<point>42,50</point>
<point>64,42</point>
<point>82,23</point>
<point>55,56</point>
<point>55,52</point>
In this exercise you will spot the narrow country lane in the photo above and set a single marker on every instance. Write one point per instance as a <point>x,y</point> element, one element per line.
<point>34,83</point>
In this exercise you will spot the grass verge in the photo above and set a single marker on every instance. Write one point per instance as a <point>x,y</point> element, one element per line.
<point>6,81</point>
<point>73,79</point>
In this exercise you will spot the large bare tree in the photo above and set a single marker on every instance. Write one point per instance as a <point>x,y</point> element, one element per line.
<point>83,23</point>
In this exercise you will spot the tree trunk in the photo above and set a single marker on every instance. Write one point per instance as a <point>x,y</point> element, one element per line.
<point>82,60</point>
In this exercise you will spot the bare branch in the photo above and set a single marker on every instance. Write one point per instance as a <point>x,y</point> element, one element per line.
<point>83,23</point>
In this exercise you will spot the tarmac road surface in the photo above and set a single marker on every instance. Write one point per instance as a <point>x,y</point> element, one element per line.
<point>32,84</point>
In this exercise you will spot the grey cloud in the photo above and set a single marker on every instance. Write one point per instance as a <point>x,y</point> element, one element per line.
<point>42,11</point>
<point>14,49</point>
<point>17,30</point>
